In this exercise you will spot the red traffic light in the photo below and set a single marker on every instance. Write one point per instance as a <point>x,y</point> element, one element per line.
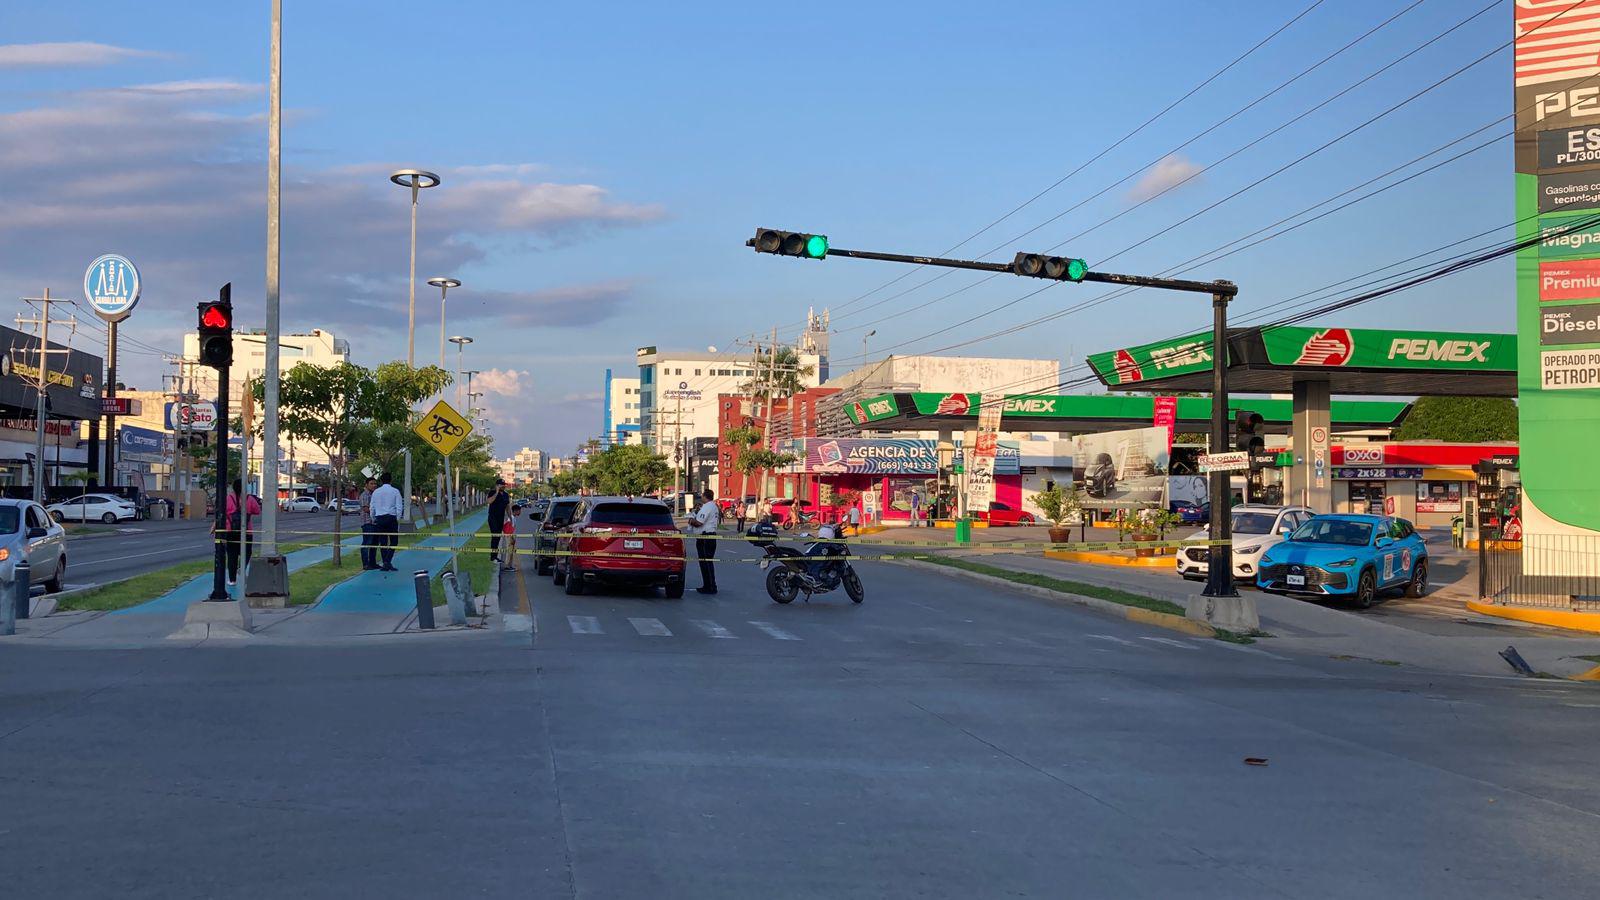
<point>216,316</point>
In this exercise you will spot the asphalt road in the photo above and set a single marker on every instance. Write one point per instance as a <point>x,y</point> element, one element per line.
<point>941,740</point>
<point>136,547</point>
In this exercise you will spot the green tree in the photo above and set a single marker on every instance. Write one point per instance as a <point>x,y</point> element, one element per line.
<point>626,469</point>
<point>337,408</point>
<point>749,457</point>
<point>1460,419</point>
<point>565,484</point>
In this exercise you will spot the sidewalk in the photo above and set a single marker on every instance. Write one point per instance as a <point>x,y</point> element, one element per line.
<point>1302,626</point>
<point>369,603</point>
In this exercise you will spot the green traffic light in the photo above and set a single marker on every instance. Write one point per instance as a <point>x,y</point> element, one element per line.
<point>817,246</point>
<point>1076,269</point>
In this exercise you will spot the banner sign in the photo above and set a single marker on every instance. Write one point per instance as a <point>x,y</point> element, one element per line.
<point>1385,349</point>
<point>1575,190</point>
<point>141,444</point>
<point>1351,474</point>
<point>192,416</point>
<point>864,456</point>
<point>980,470</point>
<point>1231,461</point>
<point>111,287</point>
<point>1558,239</point>
<point>1573,279</point>
<point>1121,469</point>
<point>1166,416</point>
<point>873,409</point>
<point>1565,370</point>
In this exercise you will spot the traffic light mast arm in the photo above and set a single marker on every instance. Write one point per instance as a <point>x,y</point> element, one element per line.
<point>1170,284</point>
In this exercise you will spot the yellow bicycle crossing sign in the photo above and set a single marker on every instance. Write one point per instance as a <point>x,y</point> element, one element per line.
<point>443,428</point>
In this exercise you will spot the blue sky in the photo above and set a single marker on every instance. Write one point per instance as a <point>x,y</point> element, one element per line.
<point>604,163</point>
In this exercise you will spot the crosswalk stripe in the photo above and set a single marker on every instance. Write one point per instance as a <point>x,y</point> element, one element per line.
<point>1172,643</point>
<point>774,631</point>
<point>584,625</point>
<point>712,629</point>
<point>650,627</point>
<point>1107,637</point>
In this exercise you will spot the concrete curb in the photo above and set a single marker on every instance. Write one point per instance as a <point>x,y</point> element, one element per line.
<point>1554,618</point>
<point>1130,613</point>
<point>1106,559</point>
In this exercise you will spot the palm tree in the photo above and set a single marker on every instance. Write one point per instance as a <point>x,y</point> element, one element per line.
<point>776,376</point>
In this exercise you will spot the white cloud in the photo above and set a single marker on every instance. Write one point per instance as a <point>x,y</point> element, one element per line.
<point>505,382</point>
<point>1164,176</point>
<point>71,53</point>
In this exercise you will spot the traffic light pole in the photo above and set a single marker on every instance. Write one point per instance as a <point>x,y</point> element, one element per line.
<point>1219,575</point>
<point>219,563</point>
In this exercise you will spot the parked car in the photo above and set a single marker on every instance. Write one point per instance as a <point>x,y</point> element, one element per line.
<point>349,506</point>
<point>27,532</point>
<point>556,516</point>
<point>1355,556</point>
<point>302,503</point>
<point>1192,513</point>
<point>1002,514</point>
<point>640,543</point>
<point>106,508</point>
<point>1255,527</point>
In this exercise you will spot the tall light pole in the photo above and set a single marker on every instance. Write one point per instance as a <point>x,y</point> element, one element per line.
<point>461,343</point>
<point>417,180</point>
<point>864,345</point>
<point>444,285</point>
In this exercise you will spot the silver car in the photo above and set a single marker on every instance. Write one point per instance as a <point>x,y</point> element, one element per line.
<point>27,531</point>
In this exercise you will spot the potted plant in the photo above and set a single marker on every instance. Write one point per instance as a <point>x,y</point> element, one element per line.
<point>1059,507</point>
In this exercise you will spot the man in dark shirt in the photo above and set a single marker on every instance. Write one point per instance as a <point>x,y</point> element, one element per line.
<point>499,502</point>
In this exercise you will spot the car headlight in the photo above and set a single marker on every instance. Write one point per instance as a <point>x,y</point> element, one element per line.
<point>5,553</point>
<point>1248,551</point>
<point>1342,563</point>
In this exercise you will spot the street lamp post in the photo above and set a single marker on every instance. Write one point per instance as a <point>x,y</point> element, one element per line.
<point>461,343</point>
<point>864,337</point>
<point>417,180</point>
<point>444,285</point>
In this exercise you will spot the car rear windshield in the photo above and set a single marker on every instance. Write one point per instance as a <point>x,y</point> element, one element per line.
<point>1333,531</point>
<point>10,519</point>
<point>634,514</point>
<point>561,513</point>
<point>1252,522</point>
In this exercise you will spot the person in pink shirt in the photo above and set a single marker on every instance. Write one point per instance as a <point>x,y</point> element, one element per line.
<point>240,532</point>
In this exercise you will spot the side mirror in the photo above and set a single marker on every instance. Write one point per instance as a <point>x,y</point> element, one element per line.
<point>1383,541</point>
<point>37,532</point>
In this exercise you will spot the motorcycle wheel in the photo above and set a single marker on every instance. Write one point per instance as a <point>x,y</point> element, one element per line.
<point>788,525</point>
<point>853,586</point>
<point>782,585</point>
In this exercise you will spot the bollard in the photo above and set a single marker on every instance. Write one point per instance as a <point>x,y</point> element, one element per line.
<point>8,617</point>
<point>464,581</point>
<point>424,601</point>
<point>452,599</point>
<point>22,585</point>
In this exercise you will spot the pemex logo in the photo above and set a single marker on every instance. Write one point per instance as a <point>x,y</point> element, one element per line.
<point>1127,368</point>
<point>1331,347</point>
<point>953,405</point>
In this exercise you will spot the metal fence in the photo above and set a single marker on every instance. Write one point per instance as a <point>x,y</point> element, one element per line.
<point>1547,571</point>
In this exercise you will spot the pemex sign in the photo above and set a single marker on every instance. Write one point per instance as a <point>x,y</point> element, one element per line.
<point>1557,190</point>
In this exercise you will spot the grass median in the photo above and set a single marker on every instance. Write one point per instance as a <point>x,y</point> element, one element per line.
<point>1080,588</point>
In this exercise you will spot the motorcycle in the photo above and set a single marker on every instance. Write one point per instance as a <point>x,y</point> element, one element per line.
<point>821,568</point>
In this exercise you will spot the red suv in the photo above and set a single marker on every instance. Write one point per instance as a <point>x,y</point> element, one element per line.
<point>635,541</point>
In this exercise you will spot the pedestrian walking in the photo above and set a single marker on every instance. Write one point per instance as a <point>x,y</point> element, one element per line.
<point>386,505</point>
<point>369,542</point>
<point>855,520</point>
<point>741,512</point>
<point>499,502</point>
<point>916,509</point>
<point>705,522</point>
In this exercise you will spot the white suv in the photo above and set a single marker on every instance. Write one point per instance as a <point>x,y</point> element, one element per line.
<point>1256,527</point>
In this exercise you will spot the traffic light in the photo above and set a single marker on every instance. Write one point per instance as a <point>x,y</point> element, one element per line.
<point>216,329</point>
<point>1246,433</point>
<point>790,243</point>
<point>1056,268</point>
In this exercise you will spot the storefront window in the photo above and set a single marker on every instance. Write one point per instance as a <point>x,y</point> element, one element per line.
<point>1439,496</point>
<point>900,493</point>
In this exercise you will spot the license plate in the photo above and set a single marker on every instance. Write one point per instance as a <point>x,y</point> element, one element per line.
<point>633,545</point>
<point>1296,580</point>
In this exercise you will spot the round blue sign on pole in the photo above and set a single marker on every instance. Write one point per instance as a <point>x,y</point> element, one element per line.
<point>111,287</point>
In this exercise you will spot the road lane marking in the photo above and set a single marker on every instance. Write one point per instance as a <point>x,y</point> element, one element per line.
<point>774,631</point>
<point>584,625</point>
<point>1107,637</point>
<point>650,627</point>
<point>1171,643</point>
<point>713,630</point>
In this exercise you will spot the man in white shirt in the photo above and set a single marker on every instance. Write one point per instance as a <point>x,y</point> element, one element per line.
<point>705,521</point>
<point>386,507</point>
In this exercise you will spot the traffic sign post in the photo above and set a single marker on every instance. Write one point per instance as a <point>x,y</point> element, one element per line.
<point>444,429</point>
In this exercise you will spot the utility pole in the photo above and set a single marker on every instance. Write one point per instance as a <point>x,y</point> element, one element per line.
<point>42,381</point>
